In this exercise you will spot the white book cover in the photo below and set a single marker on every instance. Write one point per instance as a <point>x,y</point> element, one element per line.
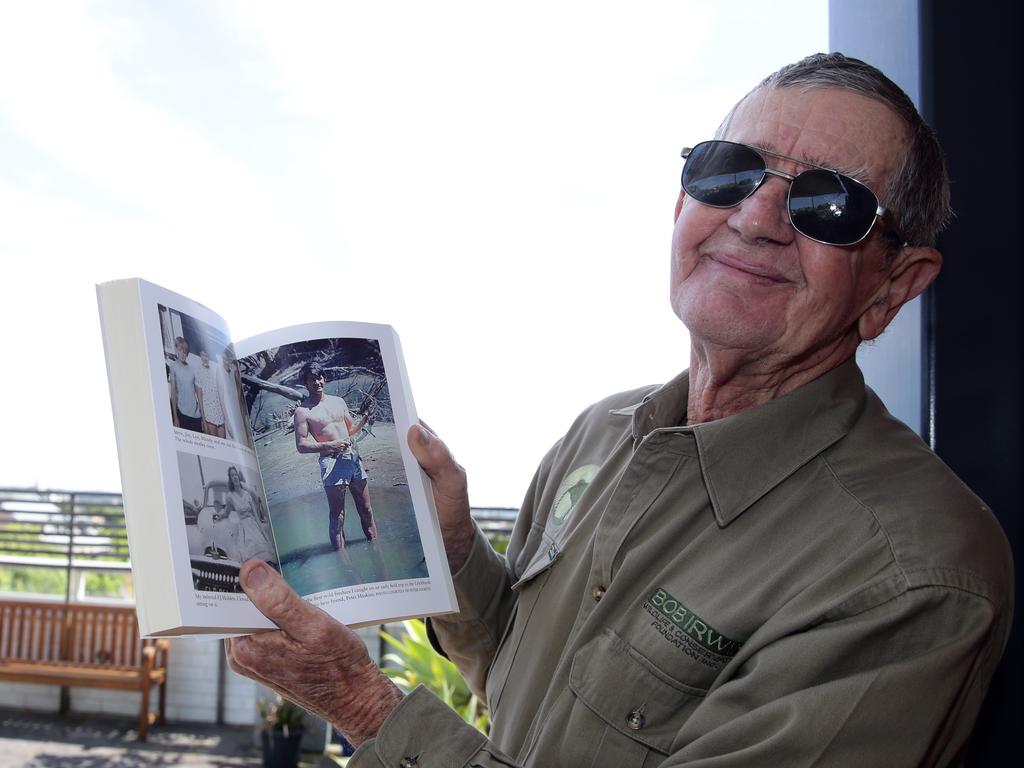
<point>289,447</point>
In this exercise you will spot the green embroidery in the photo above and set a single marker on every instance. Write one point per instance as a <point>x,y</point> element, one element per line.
<point>662,604</point>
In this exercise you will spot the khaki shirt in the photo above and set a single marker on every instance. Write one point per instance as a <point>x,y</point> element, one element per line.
<point>803,583</point>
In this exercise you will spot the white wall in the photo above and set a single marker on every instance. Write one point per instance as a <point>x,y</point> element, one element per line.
<point>885,33</point>
<point>191,691</point>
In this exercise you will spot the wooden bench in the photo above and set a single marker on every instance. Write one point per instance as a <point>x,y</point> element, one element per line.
<point>96,646</point>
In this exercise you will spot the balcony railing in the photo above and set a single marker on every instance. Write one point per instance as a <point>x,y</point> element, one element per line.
<point>79,532</point>
<point>68,530</point>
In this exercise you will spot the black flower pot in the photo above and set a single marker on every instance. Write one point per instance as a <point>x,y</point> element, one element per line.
<point>280,751</point>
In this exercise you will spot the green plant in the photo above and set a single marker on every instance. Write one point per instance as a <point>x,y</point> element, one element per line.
<point>279,714</point>
<point>417,663</point>
<point>102,584</point>
<point>33,580</point>
<point>499,543</point>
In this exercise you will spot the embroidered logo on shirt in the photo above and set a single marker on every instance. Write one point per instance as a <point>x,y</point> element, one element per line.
<point>569,492</point>
<point>688,631</point>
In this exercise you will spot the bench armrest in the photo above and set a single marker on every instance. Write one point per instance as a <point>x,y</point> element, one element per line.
<point>164,648</point>
<point>155,653</point>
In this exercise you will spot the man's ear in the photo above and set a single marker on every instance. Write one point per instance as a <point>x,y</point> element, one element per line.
<point>679,204</point>
<point>913,269</point>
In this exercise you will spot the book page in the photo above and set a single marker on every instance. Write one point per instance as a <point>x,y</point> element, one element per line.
<point>330,405</point>
<point>216,506</point>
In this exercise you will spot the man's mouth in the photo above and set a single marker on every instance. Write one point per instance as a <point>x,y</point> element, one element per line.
<point>760,272</point>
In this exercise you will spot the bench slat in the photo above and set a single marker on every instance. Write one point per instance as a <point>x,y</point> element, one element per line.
<point>66,674</point>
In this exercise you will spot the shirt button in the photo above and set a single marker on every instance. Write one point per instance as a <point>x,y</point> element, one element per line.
<point>597,592</point>
<point>408,762</point>
<point>636,720</point>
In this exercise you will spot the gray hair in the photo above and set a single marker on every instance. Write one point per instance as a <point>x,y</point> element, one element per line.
<point>917,192</point>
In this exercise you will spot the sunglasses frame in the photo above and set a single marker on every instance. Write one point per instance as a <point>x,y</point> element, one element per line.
<point>880,211</point>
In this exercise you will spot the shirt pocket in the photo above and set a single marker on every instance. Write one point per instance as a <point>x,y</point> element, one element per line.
<point>640,709</point>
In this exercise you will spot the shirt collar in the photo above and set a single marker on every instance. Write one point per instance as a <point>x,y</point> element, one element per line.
<point>744,456</point>
<point>663,407</point>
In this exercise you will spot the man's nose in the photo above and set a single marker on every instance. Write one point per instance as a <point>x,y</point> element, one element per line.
<point>764,216</point>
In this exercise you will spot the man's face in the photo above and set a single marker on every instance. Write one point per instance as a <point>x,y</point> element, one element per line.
<point>742,279</point>
<point>205,357</point>
<point>314,383</point>
<point>182,351</point>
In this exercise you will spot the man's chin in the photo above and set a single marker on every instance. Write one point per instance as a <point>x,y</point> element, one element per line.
<point>727,329</point>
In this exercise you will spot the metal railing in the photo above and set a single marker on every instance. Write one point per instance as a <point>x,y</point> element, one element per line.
<point>65,530</point>
<point>495,522</point>
<point>72,530</point>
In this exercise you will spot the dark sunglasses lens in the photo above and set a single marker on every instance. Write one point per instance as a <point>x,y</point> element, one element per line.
<point>830,207</point>
<point>722,174</point>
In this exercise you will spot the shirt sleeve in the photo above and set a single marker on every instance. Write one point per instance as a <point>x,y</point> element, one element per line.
<point>470,637</point>
<point>423,732</point>
<point>483,585</point>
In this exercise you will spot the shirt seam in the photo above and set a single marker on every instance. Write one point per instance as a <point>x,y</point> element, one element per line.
<point>836,612</point>
<point>957,587</point>
<point>870,511</point>
<point>906,572</point>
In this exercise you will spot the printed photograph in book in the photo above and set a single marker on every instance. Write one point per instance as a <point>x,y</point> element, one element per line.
<point>202,378</point>
<point>328,448</point>
<point>226,520</point>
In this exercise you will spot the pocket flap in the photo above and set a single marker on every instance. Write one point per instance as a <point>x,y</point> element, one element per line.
<point>632,696</point>
<point>545,556</point>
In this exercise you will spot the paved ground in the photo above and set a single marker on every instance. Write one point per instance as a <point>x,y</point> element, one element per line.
<point>35,740</point>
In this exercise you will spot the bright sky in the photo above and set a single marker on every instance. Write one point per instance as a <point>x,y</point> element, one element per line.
<point>495,180</point>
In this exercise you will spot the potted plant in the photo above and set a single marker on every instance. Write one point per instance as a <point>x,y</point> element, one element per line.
<point>281,727</point>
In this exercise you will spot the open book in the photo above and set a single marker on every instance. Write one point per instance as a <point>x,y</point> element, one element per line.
<point>289,447</point>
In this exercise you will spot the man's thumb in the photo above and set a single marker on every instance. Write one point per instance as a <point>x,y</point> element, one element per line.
<point>431,453</point>
<point>274,598</point>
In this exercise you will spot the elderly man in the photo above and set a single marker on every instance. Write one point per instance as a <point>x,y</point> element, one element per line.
<point>753,564</point>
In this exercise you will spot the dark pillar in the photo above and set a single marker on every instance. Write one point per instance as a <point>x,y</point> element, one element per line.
<point>971,95</point>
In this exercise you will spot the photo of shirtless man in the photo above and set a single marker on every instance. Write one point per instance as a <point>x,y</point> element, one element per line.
<point>324,425</point>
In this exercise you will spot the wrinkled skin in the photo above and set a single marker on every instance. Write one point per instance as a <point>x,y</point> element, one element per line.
<point>320,663</point>
<point>769,310</point>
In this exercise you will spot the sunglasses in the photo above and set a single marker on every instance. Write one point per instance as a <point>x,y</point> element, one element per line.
<point>824,205</point>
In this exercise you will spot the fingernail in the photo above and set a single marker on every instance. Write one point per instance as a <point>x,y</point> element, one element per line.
<point>424,436</point>
<point>257,576</point>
